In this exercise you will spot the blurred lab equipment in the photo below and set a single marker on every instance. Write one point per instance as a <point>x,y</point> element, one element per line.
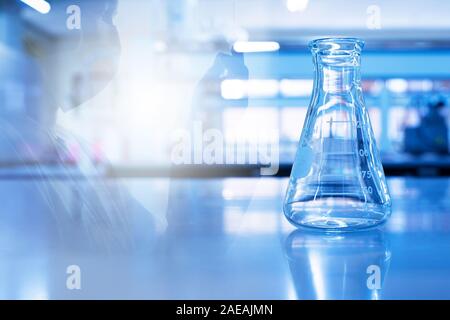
<point>337,181</point>
<point>431,135</point>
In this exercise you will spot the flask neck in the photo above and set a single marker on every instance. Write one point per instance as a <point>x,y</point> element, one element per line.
<point>337,78</point>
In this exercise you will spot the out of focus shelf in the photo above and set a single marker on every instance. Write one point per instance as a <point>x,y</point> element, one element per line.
<point>424,165</point>
<point>394,165</point>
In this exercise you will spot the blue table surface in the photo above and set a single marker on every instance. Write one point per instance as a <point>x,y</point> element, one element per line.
<point>213,239</point>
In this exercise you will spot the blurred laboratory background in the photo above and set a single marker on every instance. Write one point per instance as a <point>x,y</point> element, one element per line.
<point>119,80</point>
<point>152,90</point>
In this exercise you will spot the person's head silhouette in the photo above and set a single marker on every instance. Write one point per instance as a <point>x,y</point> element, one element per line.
<point>72,51</point>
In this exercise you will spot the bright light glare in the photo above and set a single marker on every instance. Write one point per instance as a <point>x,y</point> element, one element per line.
<point>296,5</point>
<point>296,87</point>
<point>256,46</point>
<point>235,89</point>
<point>41,6</point>
<point>397,85</point>
<point>262,88</point>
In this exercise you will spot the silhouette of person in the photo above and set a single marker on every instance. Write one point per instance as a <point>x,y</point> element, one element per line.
<point>64,208</point>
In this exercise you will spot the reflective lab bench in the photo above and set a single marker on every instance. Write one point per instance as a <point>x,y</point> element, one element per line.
<point>212,239</point>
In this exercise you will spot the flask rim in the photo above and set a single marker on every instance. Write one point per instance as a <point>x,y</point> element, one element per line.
<point>339,45</point>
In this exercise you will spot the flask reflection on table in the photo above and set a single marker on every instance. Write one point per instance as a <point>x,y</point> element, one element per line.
<point>338,266</point>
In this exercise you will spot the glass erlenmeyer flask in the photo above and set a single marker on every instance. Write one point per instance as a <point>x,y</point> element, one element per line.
<point>337,181</point>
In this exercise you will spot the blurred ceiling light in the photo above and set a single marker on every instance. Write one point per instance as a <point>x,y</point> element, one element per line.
<point>296,87</point>
<point>41,6</point>
<point>397,85</point>
<point>297,5</point>
<point>256,46</point>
